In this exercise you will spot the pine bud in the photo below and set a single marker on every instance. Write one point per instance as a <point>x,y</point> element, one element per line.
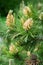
<point>10,19</point>
<point>28,23</point>
<point>26,11</point>
<point>13,49</point>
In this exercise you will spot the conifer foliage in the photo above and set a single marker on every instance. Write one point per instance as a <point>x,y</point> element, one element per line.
<point>23,35</point>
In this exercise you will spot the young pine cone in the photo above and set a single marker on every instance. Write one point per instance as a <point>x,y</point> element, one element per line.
<point>27,11</point>
<point>27,24</point>
<point>10,19</point>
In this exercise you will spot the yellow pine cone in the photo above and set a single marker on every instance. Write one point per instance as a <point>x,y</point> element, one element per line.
<point>27,11</point>
<point>13,49</point>
<point>10,19</point>
<point>41,16</point>
<point>27,24</point>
